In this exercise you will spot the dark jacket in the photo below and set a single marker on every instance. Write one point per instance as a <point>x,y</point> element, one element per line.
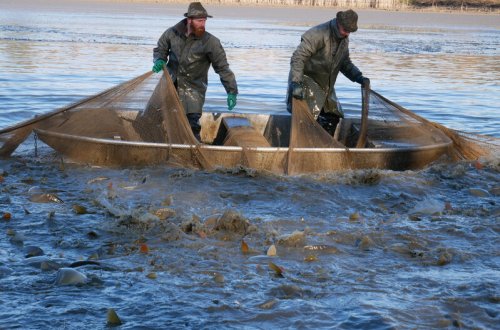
<point>316,62</point>
<point>189,60</point>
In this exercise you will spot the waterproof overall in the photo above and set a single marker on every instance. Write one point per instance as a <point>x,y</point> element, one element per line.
<point>188,61</point>
<point>320,56</point>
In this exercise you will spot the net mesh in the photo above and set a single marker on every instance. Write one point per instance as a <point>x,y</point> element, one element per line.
<point>466,146</point>
<point>142,122</point>
<point>306,135</point>
<point>165,113</point>
<point>130,95</point>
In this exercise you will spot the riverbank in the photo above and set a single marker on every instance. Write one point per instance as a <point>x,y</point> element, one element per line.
<point>293,15</point>
<point>484,6</point>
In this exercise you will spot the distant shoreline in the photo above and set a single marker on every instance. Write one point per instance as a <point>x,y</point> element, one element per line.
<point>290,15</point>
<point>459,6</point>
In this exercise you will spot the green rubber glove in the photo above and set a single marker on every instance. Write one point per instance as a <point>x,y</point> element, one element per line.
<point>158,66</point>
<point>231,101</point>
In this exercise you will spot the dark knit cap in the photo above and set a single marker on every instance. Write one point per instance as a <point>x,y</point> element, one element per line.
<point>348,19</point>
<point>196,10</point>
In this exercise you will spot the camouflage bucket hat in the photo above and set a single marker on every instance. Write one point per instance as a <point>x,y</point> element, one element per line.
<point>196,10</point>
<point>348,19</point>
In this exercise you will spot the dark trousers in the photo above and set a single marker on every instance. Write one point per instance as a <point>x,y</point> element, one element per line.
<point>328,121</point>
<point>194,122</point>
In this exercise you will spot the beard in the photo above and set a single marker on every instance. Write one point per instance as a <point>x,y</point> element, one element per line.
<point>198,32</point>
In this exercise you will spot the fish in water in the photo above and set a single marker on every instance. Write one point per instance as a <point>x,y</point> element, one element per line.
<point>70,276</point>
<point>84,262</point>
<point>113,318</point>
<point>98,179</point>
<point>33,251</point>
<point>45,198</point>
<point>43,263</point>
<point>38,196</point>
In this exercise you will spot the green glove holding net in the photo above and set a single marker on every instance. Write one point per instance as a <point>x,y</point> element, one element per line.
<point>231,101</point>
<point>158,66</point>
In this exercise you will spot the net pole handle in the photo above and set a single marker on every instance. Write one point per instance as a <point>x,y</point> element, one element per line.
<point>365,101</point>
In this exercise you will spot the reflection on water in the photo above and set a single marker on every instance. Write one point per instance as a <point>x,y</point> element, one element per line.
<point>356,249</point>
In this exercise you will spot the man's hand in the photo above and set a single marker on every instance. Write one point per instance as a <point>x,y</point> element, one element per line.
<point>297,90</point>
<point>158,66</point>
<point>365,82</point>
<point>231,101</point>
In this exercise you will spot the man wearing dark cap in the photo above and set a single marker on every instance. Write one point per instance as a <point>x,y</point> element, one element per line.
<point>322,53</point>
<point>188,51</point>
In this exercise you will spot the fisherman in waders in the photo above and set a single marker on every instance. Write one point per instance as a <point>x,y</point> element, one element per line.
<point>315,64</point>
<point>188,50</point>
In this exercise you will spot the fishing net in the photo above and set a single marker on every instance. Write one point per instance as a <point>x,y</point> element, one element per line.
<point>145,110</point>
<point>306,136</point>
<point>142,122</point>
<point>466,146</point>
<point>383,137</point>
<point>97,110</point>
<point>165,113</point>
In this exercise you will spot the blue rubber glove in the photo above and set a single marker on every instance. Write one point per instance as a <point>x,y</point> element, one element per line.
<point>297,90</point>
<point>231,101</point>
<point>158,66</point>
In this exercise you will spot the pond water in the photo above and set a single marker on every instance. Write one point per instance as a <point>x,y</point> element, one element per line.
<point>354,249</point>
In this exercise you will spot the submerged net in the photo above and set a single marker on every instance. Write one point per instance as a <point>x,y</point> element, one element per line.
<point>142,122</point>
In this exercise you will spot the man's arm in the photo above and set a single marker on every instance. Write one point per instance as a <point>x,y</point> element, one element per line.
<point>309,45</point>
<point>350,70</point>
<point>218,58</point>
<point>162,49</point>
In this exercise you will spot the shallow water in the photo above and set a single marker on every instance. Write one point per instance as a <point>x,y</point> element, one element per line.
<point>358,249</point>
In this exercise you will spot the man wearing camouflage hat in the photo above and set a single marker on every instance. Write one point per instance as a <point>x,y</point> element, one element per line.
<point>322,53</point>
<point>188,51</point>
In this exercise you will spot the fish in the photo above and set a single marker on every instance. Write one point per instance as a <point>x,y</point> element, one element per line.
<point>83,263</point>
<point>33,251</point>
<point>277,269</point>
<point>113,318</point>
<point>98,179</point>
<point>322,248</point>
<point>70,276</point>
<point>46,198</point>
<point>244,247</point>
<point>79,209</point>
<point>271,251</point>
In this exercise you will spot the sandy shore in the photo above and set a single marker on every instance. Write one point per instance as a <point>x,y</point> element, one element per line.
<point>292,15</point>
